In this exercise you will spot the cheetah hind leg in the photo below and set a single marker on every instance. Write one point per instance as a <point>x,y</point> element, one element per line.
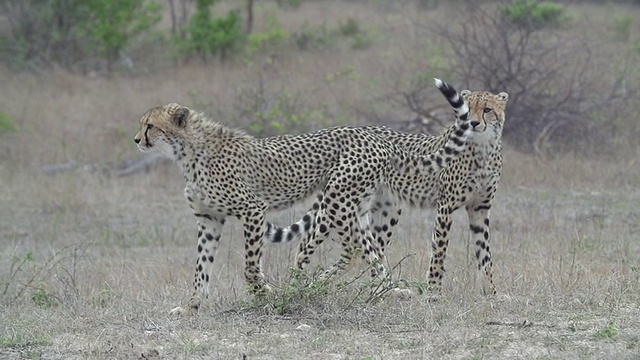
<point>371,252</point>
<point>361,241</point>
<point>341,265</point>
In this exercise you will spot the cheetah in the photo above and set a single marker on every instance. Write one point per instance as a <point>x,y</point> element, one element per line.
<point>229,173</point>
<point>471,180</point>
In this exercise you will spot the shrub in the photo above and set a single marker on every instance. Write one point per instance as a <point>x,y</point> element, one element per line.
<point>350,27</point>
<point>212,36</point>
<point>272,39</point>
<point>361,41</point>
<point>109,25</point>
<point>67,32</point>
<point>311,38</point>
<point>560,89</point>
<point>533,13</point>
<point>289,4</point>
<point>269,107</point>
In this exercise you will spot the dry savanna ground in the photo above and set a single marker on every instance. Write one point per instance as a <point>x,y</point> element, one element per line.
<point>91,264</point>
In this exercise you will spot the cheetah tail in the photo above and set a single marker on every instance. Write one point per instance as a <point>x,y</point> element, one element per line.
<point>457,138</point>
<point>291,234</point>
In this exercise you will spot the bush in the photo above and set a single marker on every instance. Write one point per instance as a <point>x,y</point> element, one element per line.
<point>108,25</point>
<point>350,27</point>
<point>67,32</point>
<point>562,87</point>
<point>272,39</point>
<point>267,106</point>
<point>311,38</point>
<point>533,13</point>
<point>289,4</point>
<point>212,36</point>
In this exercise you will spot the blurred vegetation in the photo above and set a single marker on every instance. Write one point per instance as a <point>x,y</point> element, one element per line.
<point>68,33</point>
<point>563,95</point>
<point>106,27</point>
<point>6,123</point>
<point>212,36</point>
<point>533,13</point>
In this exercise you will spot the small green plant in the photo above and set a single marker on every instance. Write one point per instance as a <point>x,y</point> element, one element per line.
<point>534,13</point>
<point>21,341</point>
<point>300,291</point>
<point>43,298</point>
<point>377,289</point>
<point>272,39</point>
<point>18,265</point>
<point>106,296</point>
<point>608,332</point>
<point>196,347</point>
<point>6,124</point>
<point>27,276</point>
<point>622,27</point>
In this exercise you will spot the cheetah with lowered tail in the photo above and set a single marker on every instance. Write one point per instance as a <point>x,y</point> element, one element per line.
<point>229,173</point>
<point>470,181</point>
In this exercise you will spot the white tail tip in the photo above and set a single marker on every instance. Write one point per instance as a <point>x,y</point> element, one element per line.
<point>438,82</point>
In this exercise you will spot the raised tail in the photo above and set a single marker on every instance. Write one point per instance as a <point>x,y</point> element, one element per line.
<point>456,141</point>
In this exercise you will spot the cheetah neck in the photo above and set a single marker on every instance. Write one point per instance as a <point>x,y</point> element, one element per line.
<point>205,140</point>
<point>486,151</point>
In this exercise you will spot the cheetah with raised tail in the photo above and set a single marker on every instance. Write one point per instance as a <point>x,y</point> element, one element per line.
<point>230,173</point>
<point>471,180</point>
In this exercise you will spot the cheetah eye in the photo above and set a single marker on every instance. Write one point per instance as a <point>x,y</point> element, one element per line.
<point>487,110</point>
<point>149,126</point>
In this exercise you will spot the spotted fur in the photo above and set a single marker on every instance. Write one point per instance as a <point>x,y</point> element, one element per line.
<point>470,181</point>
<point>229,173</point>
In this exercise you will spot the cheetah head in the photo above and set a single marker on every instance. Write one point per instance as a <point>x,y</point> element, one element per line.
<point>162,129</point>
<point>488,109</point>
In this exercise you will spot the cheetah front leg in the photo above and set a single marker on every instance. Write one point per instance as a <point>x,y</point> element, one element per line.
<point>209,233</point>
<point>439,243</point>
<point>254,229</point>
<point>479,226</point>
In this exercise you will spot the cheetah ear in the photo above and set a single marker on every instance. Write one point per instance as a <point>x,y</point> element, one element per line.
<point>503,96</point>
<point>465,93</point>
<point>180,116</point>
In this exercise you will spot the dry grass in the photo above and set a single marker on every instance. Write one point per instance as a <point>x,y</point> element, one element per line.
<point>112,256</point>
<point>90,265</point>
